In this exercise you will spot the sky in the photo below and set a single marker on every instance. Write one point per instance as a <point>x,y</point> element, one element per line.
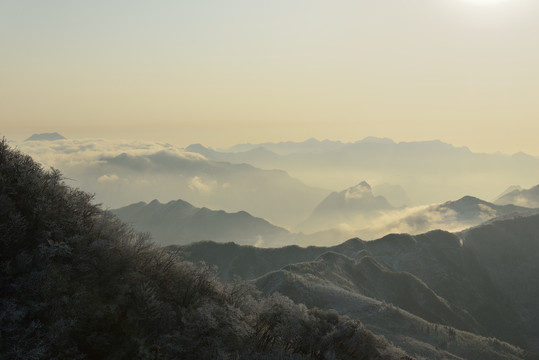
<point>225,72</point>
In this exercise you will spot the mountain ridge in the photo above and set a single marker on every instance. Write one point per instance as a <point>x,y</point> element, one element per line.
<point>179,222</point>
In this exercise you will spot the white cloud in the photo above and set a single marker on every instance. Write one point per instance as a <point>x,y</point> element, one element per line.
<point>196,183</point>
<point>487,212</point>
<point>69,153</point>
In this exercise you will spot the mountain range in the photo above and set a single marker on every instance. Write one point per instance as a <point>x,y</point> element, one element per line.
<point>437,295</point>
<point>352,212</point>
<point>74,276</point>
<point>429,171</point>
<point>167,174</point>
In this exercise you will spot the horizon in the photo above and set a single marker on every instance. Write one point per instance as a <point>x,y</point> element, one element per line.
<point>225,146</point>
<point>220,74</point>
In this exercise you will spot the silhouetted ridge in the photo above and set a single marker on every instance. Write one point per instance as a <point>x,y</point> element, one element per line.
<point>179,222</point>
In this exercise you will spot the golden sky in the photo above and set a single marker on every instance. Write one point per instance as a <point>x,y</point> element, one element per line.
<point>222,72</point>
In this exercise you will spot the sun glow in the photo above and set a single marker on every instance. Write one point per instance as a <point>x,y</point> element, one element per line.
<point>485,2</point>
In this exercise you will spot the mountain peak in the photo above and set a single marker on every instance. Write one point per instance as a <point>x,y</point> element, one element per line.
<point>197,148</point>
<point>509,190</point>
<point>46,137</point>
<point>358,191</point>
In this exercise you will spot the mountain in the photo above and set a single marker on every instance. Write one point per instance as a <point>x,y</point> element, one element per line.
<point>178,222</point>
<point>473,210</point>
<point>355,205</point>
<point>521,197</point>
<point>456,215</point>
<point>334,281</point>
<point>77,283</point>
<point>356,199</point>
<point>509,250</point>
<point>45,137</point>
<point>509,190</point>
<point>431,294</point>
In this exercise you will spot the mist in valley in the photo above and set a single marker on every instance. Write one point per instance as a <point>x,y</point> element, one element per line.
<point>314,208</point>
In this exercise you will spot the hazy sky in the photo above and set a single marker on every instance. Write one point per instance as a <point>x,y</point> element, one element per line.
<point>222,72</point>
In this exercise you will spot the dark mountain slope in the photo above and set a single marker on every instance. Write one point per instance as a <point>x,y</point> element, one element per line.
<point>370,278</point>
<point>509,250</point>
<point>487,275</point>
<point>326,283</point>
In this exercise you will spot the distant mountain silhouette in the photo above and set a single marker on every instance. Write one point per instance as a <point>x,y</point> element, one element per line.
<point>422,168</point>
<point>521,197</point>
<point>179,222</point>
<point>310,146</point>
<point>353,205</point>
<point>270,194</point>
<point>356,199</point>
<point>45,137</point>
<point>509,190</point>
<point>249,156</point>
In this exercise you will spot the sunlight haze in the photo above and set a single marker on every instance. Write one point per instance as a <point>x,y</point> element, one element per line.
<point>221,73</point>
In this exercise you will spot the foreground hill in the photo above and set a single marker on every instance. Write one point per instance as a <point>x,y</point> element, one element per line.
<point>76,283</point>
<point>454,292</point>
<point>178,222</point>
